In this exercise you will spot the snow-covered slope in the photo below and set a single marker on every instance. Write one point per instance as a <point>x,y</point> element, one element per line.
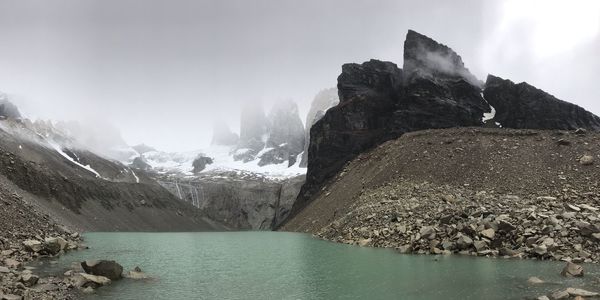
<point>181,163</point>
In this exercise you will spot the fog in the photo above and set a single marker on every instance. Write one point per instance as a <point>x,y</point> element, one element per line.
<point>164,71</point>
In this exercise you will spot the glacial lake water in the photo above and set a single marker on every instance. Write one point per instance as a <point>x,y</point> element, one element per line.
<point>279,265</point>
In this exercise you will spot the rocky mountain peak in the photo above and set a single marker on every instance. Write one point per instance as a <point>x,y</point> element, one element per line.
<point>223,136</point>
<point>285,126</point>
<point>424,57</point>
<point>253,127</point>
<point>323,101</point>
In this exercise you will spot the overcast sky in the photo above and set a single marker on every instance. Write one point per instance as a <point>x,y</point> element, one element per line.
<point>163,71</point>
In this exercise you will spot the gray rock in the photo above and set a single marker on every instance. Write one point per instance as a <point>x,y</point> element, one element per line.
<point>107,268</point>
<point>33,245</point>
<point>488,233</point>
<point>54,245</point>
<point>580,292</point>
<point>572,270</point>
<point>559,295</point>
<point>540,249</point>
<point>586,160</point>
<point>506,226</point>
<point>29,279</point>
<point>200,163</point>
<point>4,269</point>
<point>534,280</point>
<point>83,280</point>
<point>11,263</point>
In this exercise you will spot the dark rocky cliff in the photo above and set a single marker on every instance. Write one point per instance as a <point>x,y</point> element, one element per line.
<point>379,102</point>
<point>524,106</point>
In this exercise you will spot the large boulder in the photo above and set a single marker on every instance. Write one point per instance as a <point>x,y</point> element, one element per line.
<point>33,245</point>
<point>107,268</point>
<point>83,280</point>
<point>53,245</point>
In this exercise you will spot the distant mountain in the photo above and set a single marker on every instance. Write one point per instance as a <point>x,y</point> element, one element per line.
<point>323,101</point>
<point>7,109</point>
<point>53,170</point>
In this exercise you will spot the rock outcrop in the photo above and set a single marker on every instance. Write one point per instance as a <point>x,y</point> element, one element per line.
<point>434,90</point>
<point>223,136</point>
<point>524,106</point>
<point>238,201</point>
<point>200,163</point>
<point>323,101</point>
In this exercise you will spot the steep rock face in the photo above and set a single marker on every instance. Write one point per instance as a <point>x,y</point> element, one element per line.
<point>424,57</point>
<point>524,106</point>
<point>379,101</point>
<point>285,126</point>
<point>323,101</point>
<point>253,128</point>
<point>285,135</point>
<point>240,203</point>
<point>223,136</point>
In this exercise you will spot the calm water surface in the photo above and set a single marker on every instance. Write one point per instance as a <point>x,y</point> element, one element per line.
<point>276,265</point>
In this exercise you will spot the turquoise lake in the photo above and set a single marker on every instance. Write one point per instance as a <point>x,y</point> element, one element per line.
<point>279,265</point>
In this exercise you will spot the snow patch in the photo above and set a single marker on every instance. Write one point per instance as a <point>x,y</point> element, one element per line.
<point>62,153</point>
<point>164,162</point>
<point>137,179</point>
<point>488,116</point>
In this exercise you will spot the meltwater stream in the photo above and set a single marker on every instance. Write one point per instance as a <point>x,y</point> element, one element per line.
<point>277,265</point>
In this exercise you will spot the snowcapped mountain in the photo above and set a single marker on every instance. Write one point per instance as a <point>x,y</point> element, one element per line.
<point>223,160</point>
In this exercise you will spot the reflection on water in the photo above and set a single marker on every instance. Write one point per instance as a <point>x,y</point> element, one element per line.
<point>273,265</point>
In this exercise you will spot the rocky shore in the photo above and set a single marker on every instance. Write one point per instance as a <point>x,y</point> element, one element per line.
<point>27,235</point>
<point>430,219</point>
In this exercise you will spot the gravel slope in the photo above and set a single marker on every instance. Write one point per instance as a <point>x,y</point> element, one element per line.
<point>449,186</point>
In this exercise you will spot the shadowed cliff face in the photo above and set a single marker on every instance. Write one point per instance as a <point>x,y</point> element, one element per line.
<point>379,102</point>
<point>524,106</point>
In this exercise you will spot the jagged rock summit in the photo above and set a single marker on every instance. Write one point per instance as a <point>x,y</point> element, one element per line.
<point>434,90</point>
<point>223,136</point>
<point>424,57</point>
